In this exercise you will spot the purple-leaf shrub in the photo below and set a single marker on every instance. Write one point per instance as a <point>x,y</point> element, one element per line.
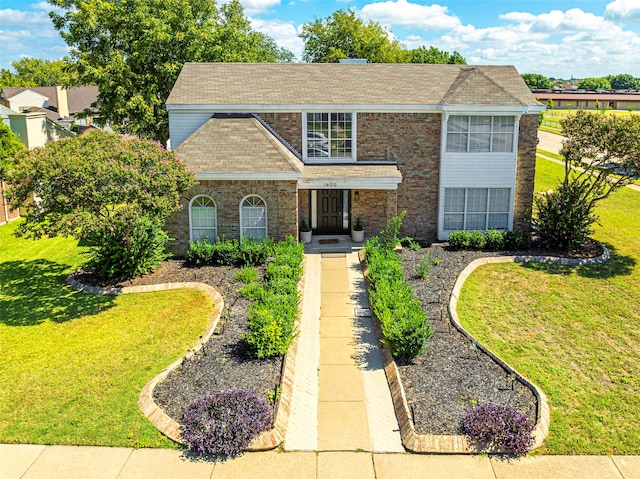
<point>501,427</point>
<point>224,423</point>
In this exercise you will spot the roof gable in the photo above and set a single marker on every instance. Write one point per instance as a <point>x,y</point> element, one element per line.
<point>474,86</point>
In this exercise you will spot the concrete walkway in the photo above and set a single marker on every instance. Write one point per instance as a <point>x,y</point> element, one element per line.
<point>342,423</point>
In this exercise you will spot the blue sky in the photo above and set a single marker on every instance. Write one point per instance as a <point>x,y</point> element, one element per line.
<point>555,38</point>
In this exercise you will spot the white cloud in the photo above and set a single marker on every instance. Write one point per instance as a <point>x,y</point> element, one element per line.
<point>17,18</point>
<point>556,21</point>
<point>256,6</point>
<point>285,34</point>
<point>628,10</point>
<point>404,13</point>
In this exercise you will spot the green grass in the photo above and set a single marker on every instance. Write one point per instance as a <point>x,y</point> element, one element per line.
<point>73,364</point>
<point>575,331</point>
<point>551,121</point>
<point>550,154</point>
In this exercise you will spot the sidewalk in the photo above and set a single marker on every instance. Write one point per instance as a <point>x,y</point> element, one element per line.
<point>342,423</point>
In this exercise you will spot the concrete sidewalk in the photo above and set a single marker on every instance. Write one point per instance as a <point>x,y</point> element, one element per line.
<point>71,462</point>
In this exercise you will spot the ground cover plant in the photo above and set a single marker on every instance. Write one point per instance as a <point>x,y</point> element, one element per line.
<point>574,331</point>
<point>73,364</point>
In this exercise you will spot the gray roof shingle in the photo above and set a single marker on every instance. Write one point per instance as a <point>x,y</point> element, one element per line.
<point>279,84</point>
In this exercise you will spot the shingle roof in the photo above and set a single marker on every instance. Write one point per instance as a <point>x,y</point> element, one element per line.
<point>353,171</point>
<point>237,146</point>
<point>268,84</point>
<point>78,98</point>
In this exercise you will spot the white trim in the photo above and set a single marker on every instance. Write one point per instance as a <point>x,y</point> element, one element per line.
<point>266,215</point>
<point>313,204</point>
<point>349,183</point>
<point>248,176</point>
<point>361,108</point>
<point>215,207</point>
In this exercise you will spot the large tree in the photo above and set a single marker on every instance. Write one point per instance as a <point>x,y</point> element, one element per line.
<point>434,55</point>
<point>345,35</point>
<point>601,154</point>
<point>535,81</point>
<point>594,84</point>
<point>111,191</point>
<point>624,81</point>
<point>33,72</point>
<point>133,50</point>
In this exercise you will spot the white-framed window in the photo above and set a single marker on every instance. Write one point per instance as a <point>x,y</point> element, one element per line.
<point>203,221</point>
<point>476,208</point>
<point>474,133</point>
<point>329,136</point>
<point>253,217</point>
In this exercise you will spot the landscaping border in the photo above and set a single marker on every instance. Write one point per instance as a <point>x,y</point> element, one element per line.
<point>268,439</point>
<point>457,444</point>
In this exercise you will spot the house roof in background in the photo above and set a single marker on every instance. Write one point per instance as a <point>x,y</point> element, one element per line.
<point>309,84</point>
<point>79,98</point>
<point>238,146</point>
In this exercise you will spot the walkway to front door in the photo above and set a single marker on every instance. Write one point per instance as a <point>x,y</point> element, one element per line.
<point>341,400</point>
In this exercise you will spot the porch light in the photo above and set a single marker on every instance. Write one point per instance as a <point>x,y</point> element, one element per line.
<point>357,196</point>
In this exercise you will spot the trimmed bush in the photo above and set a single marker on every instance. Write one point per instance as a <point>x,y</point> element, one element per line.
<point>222,252</point>
<point>224,423</point>
<point>255,291</point>
<point>516,240</point>
<point>253,252</point>
<point>476,239</point>
<point>459,240</point>
<point>494,240</point>
<point>247,275</point>
<point>500,427</point>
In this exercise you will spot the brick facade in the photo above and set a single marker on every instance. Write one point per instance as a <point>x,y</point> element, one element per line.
<point>6,213</point>
<point>526,171</point>
<point>281,198</point>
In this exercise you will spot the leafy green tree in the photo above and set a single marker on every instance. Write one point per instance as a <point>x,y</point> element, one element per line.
<point>624,81</point>
<point>10,146</point>
<point>594,84</point>
<point>134,50</point>
<point>345,35</point>
<point>535,81</point>
<point>601,154</point>
<point>115,193</point>
<point>33,72</point>
<point>433,55</point>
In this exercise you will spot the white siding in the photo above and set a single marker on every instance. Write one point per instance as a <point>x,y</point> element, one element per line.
<point>27,99</point>
<point>184,124</point>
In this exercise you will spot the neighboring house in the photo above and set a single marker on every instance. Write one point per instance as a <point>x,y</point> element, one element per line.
<point>35,128</point>
<point>68,103</point>
<point>272,144</point>
<point>590,100</point>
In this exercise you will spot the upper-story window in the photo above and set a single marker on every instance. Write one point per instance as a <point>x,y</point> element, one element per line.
<point>329,136</point>
<point>471,133</point>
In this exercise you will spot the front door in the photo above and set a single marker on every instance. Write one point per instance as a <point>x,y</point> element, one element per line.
<point>330,209</point>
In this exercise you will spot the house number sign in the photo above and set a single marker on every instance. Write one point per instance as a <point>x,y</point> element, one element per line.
<point>329,185</point>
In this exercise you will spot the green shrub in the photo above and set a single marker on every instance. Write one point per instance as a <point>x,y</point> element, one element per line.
<point>255,291</point>
<point>271,324</point>
<point>476,239</point>
<point>424,266</point>
<point>283,286</point>
<point>494,239</point>
<point>405,329</point>
<point>516,240</point>
<point>459,240</point>
<point>253,252</point>
<point>222,252</point>
<point>382,263</point>
<point>200,253</point>
<point>247,275</point>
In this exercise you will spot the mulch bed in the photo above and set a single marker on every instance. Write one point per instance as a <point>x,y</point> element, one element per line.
<point>451,375</point>
<point>221,364</point>
<point>441,384</point>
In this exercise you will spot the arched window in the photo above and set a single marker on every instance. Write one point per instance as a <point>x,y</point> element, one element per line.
<point>203,219</point>
<point>253,217</point>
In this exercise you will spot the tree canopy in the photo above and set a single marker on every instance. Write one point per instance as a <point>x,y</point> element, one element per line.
<point>343,35</point>
<point>624,81</point>
<point>10,146</point>
<point>33,72</point>
<point>594,84</point>
<point>535,81</point>
<point>111,191</point>
<point>134,50</point>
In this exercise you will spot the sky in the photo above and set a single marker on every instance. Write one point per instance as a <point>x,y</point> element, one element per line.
<point>559,39</point>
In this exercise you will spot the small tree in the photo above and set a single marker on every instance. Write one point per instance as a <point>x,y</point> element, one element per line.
<point>111,191</point>
<point>601,154</point>
<point>10,145</point>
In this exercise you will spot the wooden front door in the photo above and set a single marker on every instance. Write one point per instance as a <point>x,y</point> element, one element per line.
<point>330,210</point>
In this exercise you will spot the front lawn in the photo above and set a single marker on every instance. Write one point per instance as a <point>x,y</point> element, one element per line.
<point>575,331</point>
<point>73,364</point>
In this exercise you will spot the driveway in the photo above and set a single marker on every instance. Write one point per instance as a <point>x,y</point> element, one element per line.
<point>550,141</point>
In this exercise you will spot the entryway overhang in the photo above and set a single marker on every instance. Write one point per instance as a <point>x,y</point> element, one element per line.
<point>364,176</point>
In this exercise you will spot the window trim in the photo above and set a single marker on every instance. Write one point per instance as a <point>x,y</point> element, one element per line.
<point>266,215</point>
<point>487,212</point>
<point>330,159</point>
<point>215,216</point>
<point>514,133</point>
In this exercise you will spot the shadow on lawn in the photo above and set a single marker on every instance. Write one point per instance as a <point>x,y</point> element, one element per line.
<point>617,265</point>
<point>35,291</point>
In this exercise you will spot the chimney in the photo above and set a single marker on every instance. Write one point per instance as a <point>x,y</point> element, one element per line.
<point>63,104</point>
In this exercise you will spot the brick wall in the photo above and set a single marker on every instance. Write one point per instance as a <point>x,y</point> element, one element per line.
<point>281,198</point>
<point>6,213</point>
<point>288,126</point>
<point>526,172</point>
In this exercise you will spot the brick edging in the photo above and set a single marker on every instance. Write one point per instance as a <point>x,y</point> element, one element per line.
<point>457,444</point>
<point>268,439</point>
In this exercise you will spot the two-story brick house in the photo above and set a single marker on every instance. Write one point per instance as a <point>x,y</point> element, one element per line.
<point>275,144</point>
